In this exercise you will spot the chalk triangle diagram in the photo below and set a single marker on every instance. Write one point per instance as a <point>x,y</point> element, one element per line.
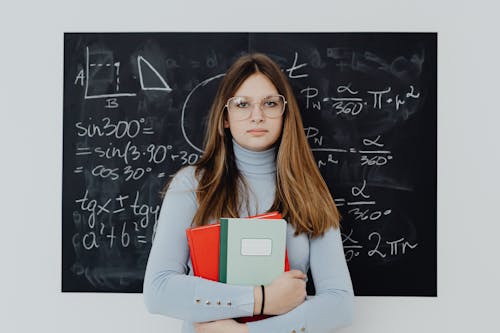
<point>154,79</point>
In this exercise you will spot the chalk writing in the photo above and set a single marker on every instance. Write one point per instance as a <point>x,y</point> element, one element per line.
<point>163,86</point>
<point>349,102</point>
<point>376,247</point>
<point>294,67</point>
<point>108,73</point>
<point>103,234</point>
<point>119,130</point>
<point>367,157</point>
<point>367,62</point>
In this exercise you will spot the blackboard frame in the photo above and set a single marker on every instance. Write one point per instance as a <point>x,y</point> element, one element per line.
<point>353,52</point>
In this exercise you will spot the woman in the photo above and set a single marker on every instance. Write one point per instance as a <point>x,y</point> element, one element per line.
<point>256,159</point>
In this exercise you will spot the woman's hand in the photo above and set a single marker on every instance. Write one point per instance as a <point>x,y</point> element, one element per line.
<point>285,293</point>
<point>221,326</point>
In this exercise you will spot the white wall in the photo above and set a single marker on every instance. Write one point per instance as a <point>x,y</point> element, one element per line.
<point>31,154</point>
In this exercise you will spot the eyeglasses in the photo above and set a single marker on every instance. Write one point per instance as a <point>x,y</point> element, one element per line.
<point>241,106</point>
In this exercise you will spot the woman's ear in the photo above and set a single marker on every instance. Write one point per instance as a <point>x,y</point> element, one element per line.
<point>226,123</point>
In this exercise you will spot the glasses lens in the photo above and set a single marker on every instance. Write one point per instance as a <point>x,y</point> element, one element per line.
<point>273,106</point>
<point>240,107</point>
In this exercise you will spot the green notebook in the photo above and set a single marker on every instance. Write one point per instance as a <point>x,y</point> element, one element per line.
<point>252,251</point>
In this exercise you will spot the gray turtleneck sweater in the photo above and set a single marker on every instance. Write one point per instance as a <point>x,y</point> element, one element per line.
<point>168,290</point>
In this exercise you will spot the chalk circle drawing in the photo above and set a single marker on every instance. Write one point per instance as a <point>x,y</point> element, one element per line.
<point>197,96</point>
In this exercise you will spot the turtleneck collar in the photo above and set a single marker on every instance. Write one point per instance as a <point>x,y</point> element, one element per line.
<point>255,162</point>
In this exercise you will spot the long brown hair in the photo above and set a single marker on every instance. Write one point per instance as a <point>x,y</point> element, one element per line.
<point>302,195</point>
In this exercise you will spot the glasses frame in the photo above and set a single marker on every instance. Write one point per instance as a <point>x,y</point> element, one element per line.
<point>260,106</point>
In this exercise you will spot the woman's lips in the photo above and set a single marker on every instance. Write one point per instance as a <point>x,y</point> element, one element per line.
<point>257,131</point>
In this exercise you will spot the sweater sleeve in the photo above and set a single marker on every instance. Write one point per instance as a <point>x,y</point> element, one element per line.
<point>167,289</point>
<point>332,307</point>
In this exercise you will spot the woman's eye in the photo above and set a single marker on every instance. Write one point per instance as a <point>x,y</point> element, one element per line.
<point>242,105</point>
<point>270,104</point>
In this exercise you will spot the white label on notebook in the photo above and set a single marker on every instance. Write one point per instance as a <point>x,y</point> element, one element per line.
<point>256,246</point>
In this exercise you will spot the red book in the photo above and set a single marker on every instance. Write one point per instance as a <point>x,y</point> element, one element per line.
<point>204,252</point>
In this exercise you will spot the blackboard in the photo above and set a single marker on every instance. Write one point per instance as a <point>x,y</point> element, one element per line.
<point>135,107</point>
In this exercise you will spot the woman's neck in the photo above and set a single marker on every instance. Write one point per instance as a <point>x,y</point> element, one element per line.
<point>255,162</point>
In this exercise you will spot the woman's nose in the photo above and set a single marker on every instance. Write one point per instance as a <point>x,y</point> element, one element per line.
<point>257,113</point>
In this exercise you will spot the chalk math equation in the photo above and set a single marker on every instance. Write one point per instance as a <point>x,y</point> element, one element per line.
<point>92,213</point>
<point>367,219</point>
